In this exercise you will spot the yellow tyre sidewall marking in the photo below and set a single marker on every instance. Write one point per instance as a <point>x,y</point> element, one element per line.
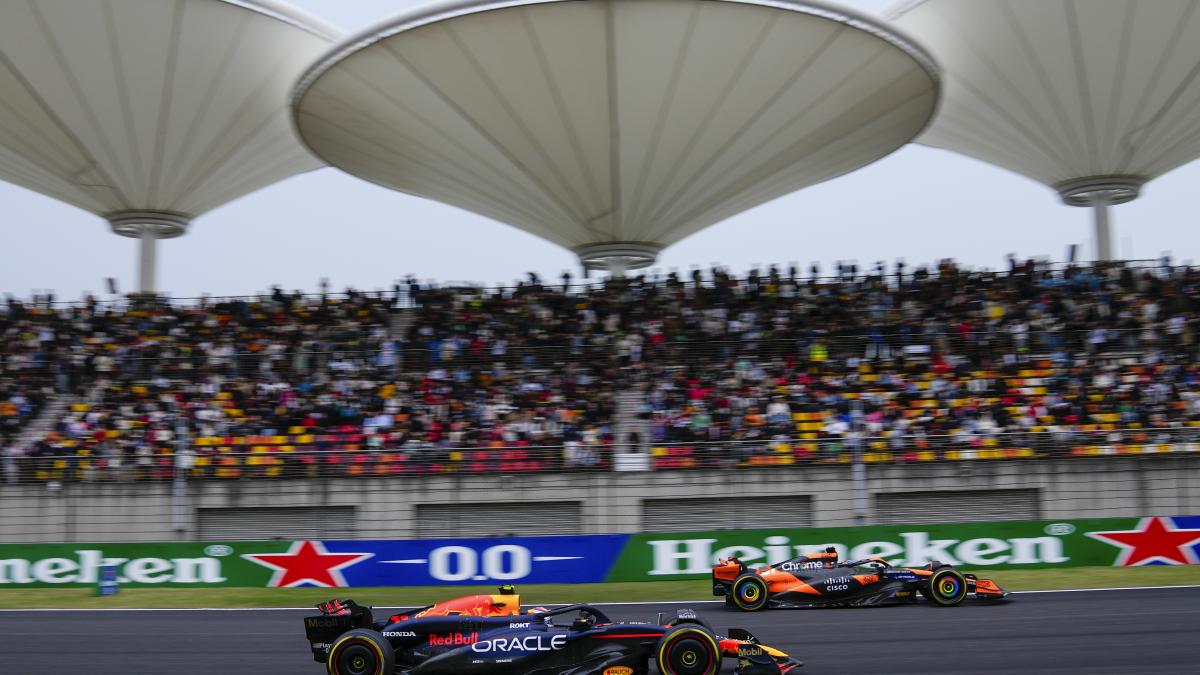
<point>331,663</point>
<point>662,651</point>
<point>941,596</point>
<point>737,597</point>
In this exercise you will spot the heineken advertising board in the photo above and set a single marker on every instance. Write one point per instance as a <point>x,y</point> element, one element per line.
<point>589,559</point>
<point>996,545</point>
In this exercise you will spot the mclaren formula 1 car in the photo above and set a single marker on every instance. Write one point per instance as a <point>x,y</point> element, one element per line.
<point>492,635</point>
<point>820,580</point>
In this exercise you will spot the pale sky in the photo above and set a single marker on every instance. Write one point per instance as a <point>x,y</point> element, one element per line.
<point>919,204</point>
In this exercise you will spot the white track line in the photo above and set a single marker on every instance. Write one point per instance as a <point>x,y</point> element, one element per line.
<point>549,604</point>
<point>1092,590</point>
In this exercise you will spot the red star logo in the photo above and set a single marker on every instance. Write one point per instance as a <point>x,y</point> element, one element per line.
<point>1154,540</point>
<point>307,562</point>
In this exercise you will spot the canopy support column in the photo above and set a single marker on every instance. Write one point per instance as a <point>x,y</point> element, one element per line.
<point>618,257</point>
<point>148,227</point>
<point>1103,229</point>
<point>147,260</point>
<point>1100,193</point>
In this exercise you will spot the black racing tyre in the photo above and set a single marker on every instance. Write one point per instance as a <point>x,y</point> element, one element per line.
<point>749,592</point>
<point>361,652</point>
<point>688,650</point>
<point>947,587</point>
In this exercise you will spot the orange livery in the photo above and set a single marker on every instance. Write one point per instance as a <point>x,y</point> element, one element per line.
<point>820,580</point>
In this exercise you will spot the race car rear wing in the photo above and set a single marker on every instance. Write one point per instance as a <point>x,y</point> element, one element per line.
<point>724,573</point>
<point>336,617</point>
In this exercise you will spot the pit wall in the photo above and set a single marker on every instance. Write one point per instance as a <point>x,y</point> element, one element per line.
<point>582,559</point>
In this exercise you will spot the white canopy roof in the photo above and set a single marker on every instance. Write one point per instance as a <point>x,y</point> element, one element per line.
<point>1079,95</point>
<point>121,106</point>
<point>615,127</point>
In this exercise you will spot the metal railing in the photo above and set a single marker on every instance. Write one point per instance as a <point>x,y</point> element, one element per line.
<point>272,460</point>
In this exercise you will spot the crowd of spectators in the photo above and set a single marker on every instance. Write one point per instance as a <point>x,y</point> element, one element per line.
<point>29,361</point>
<point>1054,405</point>
<point>325,370</point>
<point>775,358</point>
<point>976,316</point>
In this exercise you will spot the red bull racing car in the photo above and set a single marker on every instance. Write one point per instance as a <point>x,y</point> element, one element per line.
<point>820,580</point>
<point>493,635</point>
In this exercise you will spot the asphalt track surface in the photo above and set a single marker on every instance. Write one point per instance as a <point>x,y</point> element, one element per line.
<point>1120,631</point>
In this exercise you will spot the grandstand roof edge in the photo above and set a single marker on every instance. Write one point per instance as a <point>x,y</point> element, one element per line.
<point>292,15</point>
<point>447,9</point>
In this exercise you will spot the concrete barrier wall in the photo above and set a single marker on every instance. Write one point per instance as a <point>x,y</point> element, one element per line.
<point>611,502</point>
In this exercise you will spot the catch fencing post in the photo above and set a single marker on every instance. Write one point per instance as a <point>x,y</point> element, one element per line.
<point>179,519</point>
<point>858,471</point>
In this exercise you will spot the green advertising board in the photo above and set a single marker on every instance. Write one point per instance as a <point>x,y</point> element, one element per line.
<point>589,559</point>
<point>998,545</point>
<point>138,565</point>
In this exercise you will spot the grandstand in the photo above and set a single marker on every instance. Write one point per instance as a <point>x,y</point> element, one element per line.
<point>927,365</point>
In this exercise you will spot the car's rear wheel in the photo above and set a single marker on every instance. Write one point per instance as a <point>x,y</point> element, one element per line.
<point>688,650</point>
<point>947,587</point>
<point>749,592</point>
<point>361,652</point>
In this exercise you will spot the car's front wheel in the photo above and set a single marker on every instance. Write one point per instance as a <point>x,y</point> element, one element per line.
<point>688,650</point>
<point>361,652</point>
<point>749,592</point>
<point>947,587</point>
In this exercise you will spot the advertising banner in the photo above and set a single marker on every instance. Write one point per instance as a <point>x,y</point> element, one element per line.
<point>997,545</point>
<point>439,562</point>
<point>589,559</point>
<point>286,564</point>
